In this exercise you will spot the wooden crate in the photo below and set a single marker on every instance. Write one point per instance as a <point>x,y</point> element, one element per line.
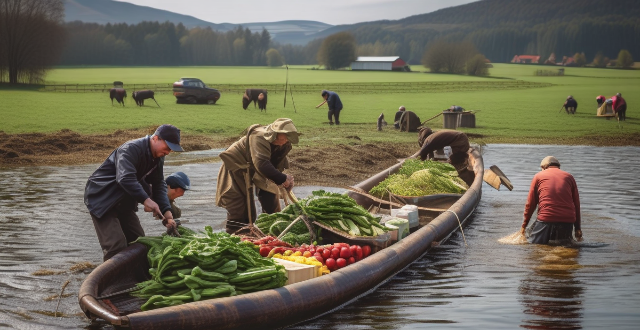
<point>297,272</point>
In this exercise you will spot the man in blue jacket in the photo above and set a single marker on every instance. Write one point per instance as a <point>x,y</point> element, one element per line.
<point>335,105</point>
<point>132,174</point>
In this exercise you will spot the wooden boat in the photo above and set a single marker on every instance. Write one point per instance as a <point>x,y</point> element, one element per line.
<point>280,307</point>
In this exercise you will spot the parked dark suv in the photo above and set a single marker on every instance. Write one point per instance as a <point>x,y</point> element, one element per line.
<point>193,90</point>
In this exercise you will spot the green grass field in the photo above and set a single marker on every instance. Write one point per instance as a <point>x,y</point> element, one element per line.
<point>513,104</point>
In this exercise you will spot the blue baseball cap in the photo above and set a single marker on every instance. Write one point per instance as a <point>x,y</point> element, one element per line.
<point>178,179</point>
<point>171,135</point>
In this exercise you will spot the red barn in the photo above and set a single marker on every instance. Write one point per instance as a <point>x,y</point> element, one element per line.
<point>383,63</point>
<point>525,59</point>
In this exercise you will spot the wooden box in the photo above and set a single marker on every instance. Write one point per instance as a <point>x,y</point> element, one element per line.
<point>297,272</point>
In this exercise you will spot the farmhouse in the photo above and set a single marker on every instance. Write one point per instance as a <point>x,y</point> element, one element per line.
<point>525,59</point>
<point>383,63</point>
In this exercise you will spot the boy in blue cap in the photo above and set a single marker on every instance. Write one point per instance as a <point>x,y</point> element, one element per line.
<point>177,184</point>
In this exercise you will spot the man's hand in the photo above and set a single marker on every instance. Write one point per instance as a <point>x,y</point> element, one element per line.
<point>522,231</point>
<point>288,184</point>
<point>170,224</point>
<point>151,206</point>
<point>578,235</point>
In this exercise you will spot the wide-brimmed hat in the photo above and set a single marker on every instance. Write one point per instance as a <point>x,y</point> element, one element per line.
<point>282,125</point>
<point>549,161</point>
<point>171,135</point>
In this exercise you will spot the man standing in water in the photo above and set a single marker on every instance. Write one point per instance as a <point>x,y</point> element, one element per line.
<point>114,190</point>
<point>555,193</point>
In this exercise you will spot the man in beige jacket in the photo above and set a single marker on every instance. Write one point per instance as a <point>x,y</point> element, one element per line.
<point>257,161</point>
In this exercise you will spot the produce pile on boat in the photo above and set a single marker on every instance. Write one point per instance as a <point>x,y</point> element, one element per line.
<point>337,211</point>
<point>421,178</point>
<point>199,266</point>
<point>330,256</point>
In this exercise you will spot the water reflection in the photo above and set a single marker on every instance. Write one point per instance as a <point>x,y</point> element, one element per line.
<point>550,293</point>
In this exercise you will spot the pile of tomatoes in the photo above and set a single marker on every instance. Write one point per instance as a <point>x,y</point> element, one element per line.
<point>334,256</point>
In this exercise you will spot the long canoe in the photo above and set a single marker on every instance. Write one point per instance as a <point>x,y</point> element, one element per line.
<point>276,308</point>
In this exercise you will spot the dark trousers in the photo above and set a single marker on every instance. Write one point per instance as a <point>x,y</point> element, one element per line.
<point>622,112</point>
<point>116,229</point>
<point>269,202</point>
<point>336,114</point>
<point>542,232</point>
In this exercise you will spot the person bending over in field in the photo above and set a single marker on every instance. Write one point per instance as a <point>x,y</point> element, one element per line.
<point>335,105</point>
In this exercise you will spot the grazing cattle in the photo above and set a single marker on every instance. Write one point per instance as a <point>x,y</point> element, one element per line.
<point>255,95</point>
<point>119,94</point>
<point>140,96</point>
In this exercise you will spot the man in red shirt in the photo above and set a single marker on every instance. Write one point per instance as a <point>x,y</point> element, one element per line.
<point>555,193</point>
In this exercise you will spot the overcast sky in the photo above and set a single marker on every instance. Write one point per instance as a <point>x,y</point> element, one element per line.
<point>328,11</point>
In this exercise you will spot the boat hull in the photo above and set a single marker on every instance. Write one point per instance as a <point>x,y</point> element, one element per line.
<point>280,307</point>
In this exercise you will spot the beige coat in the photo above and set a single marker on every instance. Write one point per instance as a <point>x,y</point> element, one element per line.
<point>232,189</point>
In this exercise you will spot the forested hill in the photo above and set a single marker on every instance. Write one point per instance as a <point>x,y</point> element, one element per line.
<point>116,12</point>
<point>490,13</point>
<point>503,28</point>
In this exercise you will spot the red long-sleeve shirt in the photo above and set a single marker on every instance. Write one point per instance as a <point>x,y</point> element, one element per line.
<point>555,193</point>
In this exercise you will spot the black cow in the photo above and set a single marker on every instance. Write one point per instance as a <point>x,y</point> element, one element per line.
<point>119,94</point>
<point>255,95</point>
<point>140,96</point>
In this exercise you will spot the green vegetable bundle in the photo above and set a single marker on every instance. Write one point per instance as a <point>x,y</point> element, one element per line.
<point>340,212</point>
<point>204,266</point>
<point>421,178</point>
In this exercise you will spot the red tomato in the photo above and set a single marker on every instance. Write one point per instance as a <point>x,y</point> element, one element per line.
<point>353,249</point>
<point>341,262</point>
<point>351,260</point>
<point>330,263</point>
<point>335,253</point>
<point>326,253</point>
<point>264,251</point>
<point>366,251</point>
<point>345,252</point>
<point>312,250</point>
<point>341,245</point>
<point>358,253</point>
<point>319,258</point>
<point>319,250</point>
<point>307,254</point>
<point>279,250</point>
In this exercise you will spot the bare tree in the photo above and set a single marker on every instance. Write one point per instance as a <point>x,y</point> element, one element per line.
<point>31,38</point>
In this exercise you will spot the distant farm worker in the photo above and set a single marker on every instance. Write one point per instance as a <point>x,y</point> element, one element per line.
<point>619,106</point>
<point>177,184</point>
<point>132,174</point>
<point>396,120</point>
<point>257,160</point>
<point>335,105</point>
<point>408,121</point>
<point>555,193</point>
<point>459,143</point>
<point>600,99</point>
<point>570,105</point>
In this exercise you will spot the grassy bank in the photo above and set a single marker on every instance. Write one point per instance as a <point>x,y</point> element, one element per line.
<point>513,105</point>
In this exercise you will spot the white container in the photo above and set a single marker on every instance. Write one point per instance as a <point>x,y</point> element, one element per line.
<point>410,212</point>
<point>401,224</point>
<point>393,231</point>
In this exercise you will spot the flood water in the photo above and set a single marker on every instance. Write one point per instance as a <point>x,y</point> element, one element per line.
<point>477,284</point>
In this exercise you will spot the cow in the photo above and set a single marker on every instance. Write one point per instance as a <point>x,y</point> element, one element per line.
<point>140,96</point>
<point>119,94</point>
<point>255,95</point>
